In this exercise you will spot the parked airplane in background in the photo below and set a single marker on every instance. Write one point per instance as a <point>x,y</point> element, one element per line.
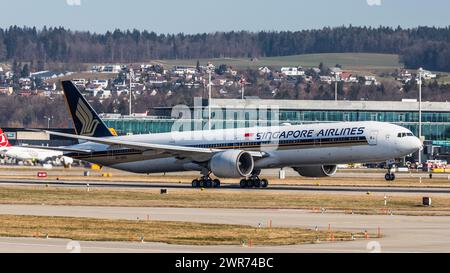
<point>30,154</point>
<point>313,150</point>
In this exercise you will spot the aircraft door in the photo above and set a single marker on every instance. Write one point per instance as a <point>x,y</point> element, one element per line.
<point>372,137</point>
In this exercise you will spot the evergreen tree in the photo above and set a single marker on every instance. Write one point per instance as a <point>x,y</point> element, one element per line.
<point>25,71</point>
<point>2,49</point>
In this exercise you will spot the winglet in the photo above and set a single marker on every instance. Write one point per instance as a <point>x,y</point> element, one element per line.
<point>85,119</point>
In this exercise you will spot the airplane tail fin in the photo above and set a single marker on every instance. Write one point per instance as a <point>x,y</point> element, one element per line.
<point>4,142</point>
<point>85,119</point>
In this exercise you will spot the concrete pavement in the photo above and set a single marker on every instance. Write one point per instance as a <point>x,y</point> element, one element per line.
<point>402,233</point>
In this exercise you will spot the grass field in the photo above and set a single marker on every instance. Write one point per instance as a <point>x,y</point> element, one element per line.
<point>347,60</point>
<point>445,78</point>
<point>186,233</point>
<point>360,203</point>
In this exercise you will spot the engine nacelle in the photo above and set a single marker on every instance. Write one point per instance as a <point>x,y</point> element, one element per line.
<point>232,164</point>
<point>316,171</point>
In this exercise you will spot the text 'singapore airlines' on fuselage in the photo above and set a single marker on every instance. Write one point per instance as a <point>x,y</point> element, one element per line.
<point>313,150</point>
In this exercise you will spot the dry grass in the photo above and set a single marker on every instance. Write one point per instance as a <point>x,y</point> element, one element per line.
<point>210,198</point>
<point>87,229</point>
<point>347,60</point>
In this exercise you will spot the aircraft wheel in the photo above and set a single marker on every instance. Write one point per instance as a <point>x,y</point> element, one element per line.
<point>209,183</point>
<point>389,177</point>
<point>202,183</point>
<point>257,183</point>
<point>195,183</point>
<point>243,183</point>
<point>216,183</point>
<point>250,183</point>
<point>264,183</point>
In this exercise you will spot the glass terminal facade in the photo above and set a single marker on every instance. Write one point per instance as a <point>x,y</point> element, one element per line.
<point>435,123</point>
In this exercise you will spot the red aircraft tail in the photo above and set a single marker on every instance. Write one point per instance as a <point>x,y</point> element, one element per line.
<point>3,140</point>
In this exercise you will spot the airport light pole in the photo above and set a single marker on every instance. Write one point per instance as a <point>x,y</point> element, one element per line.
<point>336,86</point>
<point>130,92</point>
<point>242,90</point>
<point>49,118</point>
<point>209,99</point>
<point>242,82</point>
<point>209,69</point>
<point>420,112</point>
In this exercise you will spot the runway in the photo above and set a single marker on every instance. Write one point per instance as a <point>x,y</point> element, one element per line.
<point>274,188</point>
<point>401,233</point>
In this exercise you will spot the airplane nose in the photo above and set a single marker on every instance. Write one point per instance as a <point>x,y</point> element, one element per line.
<point>409,145</point>
<point>418,143</point>
<point>415,144</point>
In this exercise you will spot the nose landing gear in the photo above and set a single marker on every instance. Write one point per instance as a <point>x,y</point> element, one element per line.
<point>389,176</point>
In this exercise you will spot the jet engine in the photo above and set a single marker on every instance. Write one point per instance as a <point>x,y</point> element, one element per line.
<point>232,164</point>
<point>316,171</point>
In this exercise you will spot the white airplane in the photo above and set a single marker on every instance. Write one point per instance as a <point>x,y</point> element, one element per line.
<point>312,150</point>
<point>28,153</point>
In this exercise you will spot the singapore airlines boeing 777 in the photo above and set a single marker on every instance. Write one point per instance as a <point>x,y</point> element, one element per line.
<point>313,150</point>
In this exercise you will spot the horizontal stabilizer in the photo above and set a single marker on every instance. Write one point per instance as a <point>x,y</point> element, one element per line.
<point>57,149</point>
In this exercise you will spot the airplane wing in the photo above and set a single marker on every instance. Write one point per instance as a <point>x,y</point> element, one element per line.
<point>148,146</point>
<point>58,149</point>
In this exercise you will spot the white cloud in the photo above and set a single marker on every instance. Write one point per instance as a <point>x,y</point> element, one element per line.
<point>374,2</point>
<point>73,2</point>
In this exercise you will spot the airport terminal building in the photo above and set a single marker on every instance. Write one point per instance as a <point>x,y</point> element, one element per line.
<point>435,115</point>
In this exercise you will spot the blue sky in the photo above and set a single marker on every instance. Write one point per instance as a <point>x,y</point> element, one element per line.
<point>194,16</point>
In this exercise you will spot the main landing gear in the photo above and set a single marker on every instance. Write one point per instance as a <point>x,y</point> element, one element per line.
<point>206,182</point>
<point>254,182</point>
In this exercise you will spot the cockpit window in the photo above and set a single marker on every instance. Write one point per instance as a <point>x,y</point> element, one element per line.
<point>404,134</point>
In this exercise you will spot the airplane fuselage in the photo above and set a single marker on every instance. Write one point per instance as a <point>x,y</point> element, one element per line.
<point>30,154</point>
<point>283,146</point>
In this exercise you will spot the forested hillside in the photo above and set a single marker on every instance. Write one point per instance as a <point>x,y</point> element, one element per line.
<point>424,46</point>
